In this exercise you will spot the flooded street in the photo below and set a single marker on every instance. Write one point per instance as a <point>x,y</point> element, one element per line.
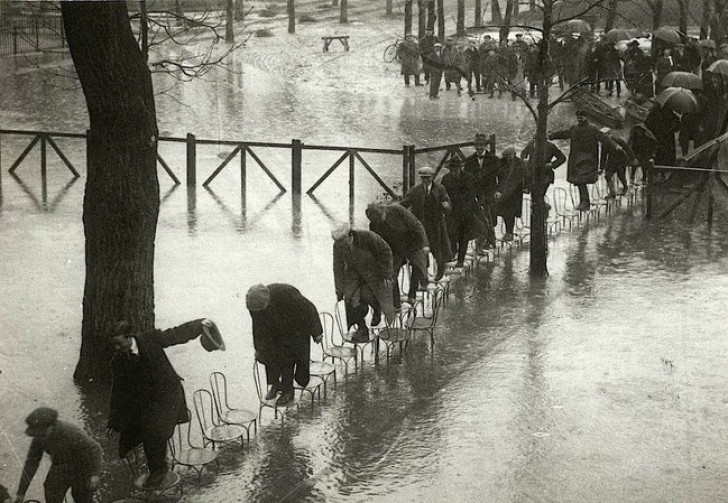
<point>605,382</point>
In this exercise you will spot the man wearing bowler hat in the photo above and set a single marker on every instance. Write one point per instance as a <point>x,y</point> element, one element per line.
<point>147,398</point>
<point>75,458</point>
<point>429,202</point>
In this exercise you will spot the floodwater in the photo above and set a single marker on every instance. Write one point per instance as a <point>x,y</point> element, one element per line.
<point>604,382</point>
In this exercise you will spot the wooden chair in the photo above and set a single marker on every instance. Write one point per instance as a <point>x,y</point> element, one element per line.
<point>333,346</point>
<point>186,453</point>
<point>214,430</point>
<point>228,415</point>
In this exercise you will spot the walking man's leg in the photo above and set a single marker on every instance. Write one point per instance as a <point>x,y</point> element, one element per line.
<point>155,449</point>
<point>584,202</point>
<point>56,485</point>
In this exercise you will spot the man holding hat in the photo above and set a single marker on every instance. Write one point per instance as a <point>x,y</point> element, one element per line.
<point>284,322</point>
<point>583,165</point>
<point>147,399</point>
<point>75,458</point>
<point>363,277</point>
<point>461,188</point>
<point>429,202</point>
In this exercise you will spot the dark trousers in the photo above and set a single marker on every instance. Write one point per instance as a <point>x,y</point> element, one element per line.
<point>510,222</point>
<point>583,194</point>
<point>610,86</point>
<point>416,278</point>
<point>355,314</point>
<point>59,480</point>
<point>155,449</point>
<point>407,80</point>
<point>620,171</point>
<point>435,78</point>
<point>280,375</point>
<point>459,238</point>
<point>473,76</point>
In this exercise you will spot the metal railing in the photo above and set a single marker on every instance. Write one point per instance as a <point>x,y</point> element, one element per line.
<point>20,35</point>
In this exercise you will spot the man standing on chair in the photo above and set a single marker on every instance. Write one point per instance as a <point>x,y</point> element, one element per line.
<point>284,322</point>
<point>75,457</point>
<point>429,202</point>
<point>363,277</point>
<point>483,166</point>
<point>147,399</point>
<point>407,239</point>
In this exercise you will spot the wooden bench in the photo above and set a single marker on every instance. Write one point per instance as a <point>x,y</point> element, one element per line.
<point>344,39</point>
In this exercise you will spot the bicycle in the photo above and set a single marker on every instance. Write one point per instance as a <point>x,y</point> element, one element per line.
<point>391,52</point>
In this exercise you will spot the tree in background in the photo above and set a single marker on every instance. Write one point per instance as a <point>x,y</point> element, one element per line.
<point>121,200</point>
<point>460,29</point>
<point>441,19</point>
<point>291,10</point>
<point>239,10</point>
<point>495,12</point>
<point>656,6</point>
<point>478,21</point>
<point>611,15</point>
<point>344,14</point>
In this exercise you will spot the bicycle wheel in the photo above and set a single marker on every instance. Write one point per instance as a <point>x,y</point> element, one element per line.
<point>390,53</point>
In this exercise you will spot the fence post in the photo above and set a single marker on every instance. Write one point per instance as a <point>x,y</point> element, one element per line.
<point>296,159</point>
<point>191,160</point>
<point>43,164</point>
<point>492,143</point>
<point>243,170</point>
<point>351,178</point>
<point>405,169</point>
<point>15,40</point>
<point>412,162</point>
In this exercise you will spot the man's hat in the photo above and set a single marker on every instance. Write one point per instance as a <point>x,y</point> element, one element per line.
<point>509,152</point>
<point>211,338</point>
<point>634,42</point>
<point>519,35</point>
<point>257,298</point>
<point>426,171</point>
<point>437,44</point>
<point>605,130</point>
<point>480,138</point>
<point>340,231</point>
<point>41,418</point>
<point>455,162</point>
<point>581,112</point>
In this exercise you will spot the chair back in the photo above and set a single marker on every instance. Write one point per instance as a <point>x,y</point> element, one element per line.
<point>327,323</point>
<point>218,384</point>
<point>256,377</point>
<point>560,200</point>
<point>340,316</point>
<point>574,195</point>
<point>204,409</point>
<point>524,221</point>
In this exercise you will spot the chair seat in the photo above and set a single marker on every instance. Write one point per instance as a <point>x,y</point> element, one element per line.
<point>321,368</point>
<point>393,335</point>
<point>341,352</point>
<point>195,457</point>
<point>239,416</point>
<point>313,383</point>
<point>171,480</point>
<point>225,432</point>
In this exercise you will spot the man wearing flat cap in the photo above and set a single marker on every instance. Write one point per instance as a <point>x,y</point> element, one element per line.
<point>429,202</point>
<point>147,399</point>
<point>75,458</point>
<point>363,277</point>
<point>284,322</point>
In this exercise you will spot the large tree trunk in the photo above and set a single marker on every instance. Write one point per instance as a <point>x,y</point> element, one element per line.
<point>506,26</point>
<point>478,13</point>
<point>344,14</point>
<point>683,23</point>
<point>656,6</point>
<point>460,30</point>
<point>121,200</point>
<point>705,20</point>
<point>291,9</point>
<point>239,10</point>
<point>407,17</point>
<point>431,15</point>
<point>441,19</point>
<point>611,15</point>
<point>421,18</point>
<point>495,12</point>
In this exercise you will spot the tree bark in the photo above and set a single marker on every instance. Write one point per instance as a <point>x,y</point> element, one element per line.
<point>495,12</point>
<point>683,23</point>
<point>390,10</point>
<point>705,20</point>
<point>334,3</point>
<point>239,10</point>
<point>431,15</point>
<point>421,19</point>
<point>344,15</point>
<point>121,199</point>
<point>506,25</point>
<point>460,30</point>
<point>441,19</point>
<point>407,17</point>
<point>611,15</point>
<point>144,30</point>
<point>229,33</point>
<point>478,13</point>
<point>291,9</point>
<point>656,6</point>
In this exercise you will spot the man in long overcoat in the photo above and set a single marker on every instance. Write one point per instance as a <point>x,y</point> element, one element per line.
<point>463,190</point>
<point>147,399</point>
<point>284,322</point>
<point>427,48</point>
<point>363,277</point>
<point>583,165</point>
<point>483,167</point>
<point>644,146</point>
<point>409,56</point>
<point>615,162</point>
<point>512,179</point>
<point>610,68</point>
<point>454,65</point>
<point>407,239</point>
<point>663,123</point>
<point>429,202</point>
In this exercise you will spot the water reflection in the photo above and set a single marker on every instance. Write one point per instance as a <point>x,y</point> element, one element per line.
<point>42,204</point>
<point>240,220</point>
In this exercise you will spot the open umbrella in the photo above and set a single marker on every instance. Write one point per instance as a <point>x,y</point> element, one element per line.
<point>573,26</point>
<point>682,79</point>
<point>719,67</point>
<point>678,100</point>
<point>668,35</point>
<point>707,43</point>
<point>637,33</point>
<point>617,34</point>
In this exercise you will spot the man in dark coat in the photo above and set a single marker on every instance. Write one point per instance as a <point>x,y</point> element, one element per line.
<point>644,146</point>
<point>427,48</point>
<point>512,175</point>
<point>645,81</point>
<point>663,65</point>
<point>436,64</point>
<point>362,277</point>
<point>583,165</point>
<point>483,167</point>
<point>553,158</point>
<point>409,57</point>
<point>284,322</point>
<point>429,202</point>
<point>610,68</point>
<point>533,72</point>
<point>615,161</point>
<point>472,58</point>
<point>462,189</point>
<point>147,400</point>
<point>75,457</point>
<point>663,123</point>
<point>407,239</point>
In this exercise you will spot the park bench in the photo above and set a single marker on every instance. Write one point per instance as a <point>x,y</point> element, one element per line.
<point>344,39</point>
